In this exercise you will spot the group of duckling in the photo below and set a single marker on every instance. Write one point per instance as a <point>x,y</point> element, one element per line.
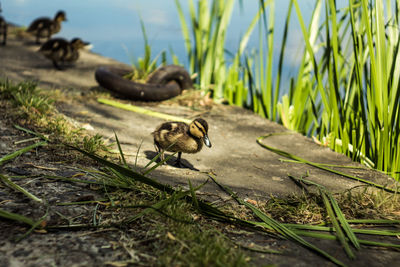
<point>169,136</point>
<point>59,50</point>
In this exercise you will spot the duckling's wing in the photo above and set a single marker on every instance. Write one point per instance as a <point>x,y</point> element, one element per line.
<point>70,54</point>
<point>54,49</point>
<point>172,136</point>
<point>39,25</point>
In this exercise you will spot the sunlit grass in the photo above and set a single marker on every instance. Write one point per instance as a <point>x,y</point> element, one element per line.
<point>205,41</point>
<point>183,228</point>
<point>35,107</point>
<point>354,89</point>
<point>144,66</point>
<point>346,90</point>
<point>27,96</point>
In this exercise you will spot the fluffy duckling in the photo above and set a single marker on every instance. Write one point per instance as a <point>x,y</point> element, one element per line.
<point>46,27</point>
<point>59,50</point>
<point>180,137</point>
<point>3,28</point>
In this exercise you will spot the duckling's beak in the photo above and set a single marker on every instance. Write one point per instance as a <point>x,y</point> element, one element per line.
<point>206,141</point>
<point>88,46</point>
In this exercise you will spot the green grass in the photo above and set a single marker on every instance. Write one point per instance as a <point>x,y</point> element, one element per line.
<point>186,230</point>
<point>35,107</point>
<point>142,67</point>
<point>190,245</point>
<point>352,91</point>
<point>177,232</point>
<point>27,96</point>
<point>205,41</point>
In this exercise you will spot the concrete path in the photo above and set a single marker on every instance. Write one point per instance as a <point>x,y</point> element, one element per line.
<point>235,158</point>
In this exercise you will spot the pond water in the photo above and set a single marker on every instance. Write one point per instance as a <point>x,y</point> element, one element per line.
<point>113,27</point>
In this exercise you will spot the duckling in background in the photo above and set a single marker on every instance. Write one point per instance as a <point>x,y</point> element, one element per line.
<point>46,27</point>
<point>180,137</point>
<point>3,28</point>
<point>59,50</point>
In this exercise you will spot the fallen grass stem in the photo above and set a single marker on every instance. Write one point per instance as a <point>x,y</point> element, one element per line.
<point>258,249</point>
<point>34,226</point>
<point>333,237</point>
<point>26,140</point>
<point>81,202</point>
<point>140,110</point>
<point>355,230</point>
<point>339,231</point>
<point>31,132</point>
<point>338,220</point>
<point>74,180</point>
<point>325,164</point>
<point>373,221</point>
<point>278,227</point>
<point>16,217</point>
<point>19,188</point>
<point>316,165</point>
<point>21,151</point>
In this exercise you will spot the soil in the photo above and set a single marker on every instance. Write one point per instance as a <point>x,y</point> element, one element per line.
<point>235,158</point>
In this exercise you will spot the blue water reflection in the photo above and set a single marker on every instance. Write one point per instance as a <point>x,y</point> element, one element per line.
<point>113,27</point>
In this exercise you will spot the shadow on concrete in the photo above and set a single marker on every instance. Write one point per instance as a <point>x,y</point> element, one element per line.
<point>186,164</point>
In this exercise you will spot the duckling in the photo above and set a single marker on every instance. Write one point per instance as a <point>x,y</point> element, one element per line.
<point>180,137</point>
<point>59,50</point>
<point>3,28</point>
<point>46,27</point>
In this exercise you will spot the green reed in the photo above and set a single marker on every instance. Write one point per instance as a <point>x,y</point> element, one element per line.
<point>346,91</point>
<point>352,86</point>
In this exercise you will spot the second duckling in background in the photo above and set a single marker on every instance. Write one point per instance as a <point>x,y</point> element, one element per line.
<point>60,51</point>
<point>46,27</point>
<point>3,28</point>
<point>180,137</point>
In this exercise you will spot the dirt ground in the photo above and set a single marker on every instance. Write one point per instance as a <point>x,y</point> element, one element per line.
<point>235,158</point>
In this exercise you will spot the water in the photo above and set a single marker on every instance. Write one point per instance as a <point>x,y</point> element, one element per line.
<point>113,27</point>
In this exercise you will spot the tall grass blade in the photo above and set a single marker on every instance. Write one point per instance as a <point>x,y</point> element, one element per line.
<point>120,150</point>
<point>161,162</point>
